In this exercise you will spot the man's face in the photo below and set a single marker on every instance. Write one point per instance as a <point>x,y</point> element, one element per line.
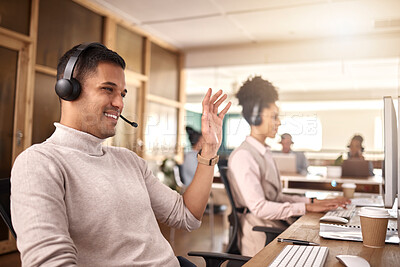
<point>97,109</point>
<point>286,143</point>
<point>270,121</point>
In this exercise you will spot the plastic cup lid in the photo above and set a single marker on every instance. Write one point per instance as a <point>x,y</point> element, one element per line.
<point>373,212</point>
<point>349,185</point>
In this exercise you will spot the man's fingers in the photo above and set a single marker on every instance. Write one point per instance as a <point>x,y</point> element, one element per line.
<point>206,100</point>
<point>218,103</point>
<point>225,110</point>
<point>215,97</point>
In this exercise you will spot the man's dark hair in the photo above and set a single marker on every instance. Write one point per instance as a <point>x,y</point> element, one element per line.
<point>256,91</point>
<point>194,136</point>
<point>88,61</point>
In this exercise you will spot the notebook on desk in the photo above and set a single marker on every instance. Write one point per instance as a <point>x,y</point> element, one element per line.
<point>286,163</point>
<point>355,168</point>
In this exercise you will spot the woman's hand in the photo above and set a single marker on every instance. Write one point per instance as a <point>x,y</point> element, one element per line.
<point>327,204</point>
<point>340,201</point>
<point>211,123</point>
<point>321,206</point>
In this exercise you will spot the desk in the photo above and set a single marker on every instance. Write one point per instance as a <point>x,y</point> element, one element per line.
<point>307,228</point>
<point>371,184</point>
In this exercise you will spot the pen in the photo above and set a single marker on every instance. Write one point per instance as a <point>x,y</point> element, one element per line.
<point>297,242</point>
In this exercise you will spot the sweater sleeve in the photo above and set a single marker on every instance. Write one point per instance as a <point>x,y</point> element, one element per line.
<point>247,176</point>
<point>39,213</point>
<point>167,204</point>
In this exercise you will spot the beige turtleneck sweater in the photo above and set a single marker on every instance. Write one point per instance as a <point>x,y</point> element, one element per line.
<point>76,202</point>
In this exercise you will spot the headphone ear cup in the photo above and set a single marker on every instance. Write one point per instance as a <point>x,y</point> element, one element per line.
<point>68,90</point>
<point>258,120</point>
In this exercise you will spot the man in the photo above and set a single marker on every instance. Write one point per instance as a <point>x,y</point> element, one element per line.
<point>301,160</point>
<point>254,179</point>
<point>76,202</point>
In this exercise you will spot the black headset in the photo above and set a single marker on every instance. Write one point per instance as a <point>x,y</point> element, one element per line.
<point>256,118</point>
<point>69,88</point>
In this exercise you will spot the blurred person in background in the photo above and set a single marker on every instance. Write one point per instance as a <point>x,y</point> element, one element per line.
<point>301,160</point>
<point>190,160</point>
<point>356,150</point>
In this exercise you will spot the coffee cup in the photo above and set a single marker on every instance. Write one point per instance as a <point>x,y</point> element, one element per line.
<point>374,223</point>
<point>348,190</point>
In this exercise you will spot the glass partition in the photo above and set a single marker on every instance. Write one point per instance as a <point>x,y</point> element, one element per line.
<point>8,76</point>
<point>62,25</point>
<point>130,46</point>
<point>15,15</point>
<point>161,129</point>
<point>164,73</point>
<point>46,108</point>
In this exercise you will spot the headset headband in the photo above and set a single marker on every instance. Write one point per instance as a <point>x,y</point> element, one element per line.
<point>69,69</point>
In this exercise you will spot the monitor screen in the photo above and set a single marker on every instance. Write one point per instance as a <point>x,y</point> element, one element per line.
<point>391,150</point>
<point>285,162</point>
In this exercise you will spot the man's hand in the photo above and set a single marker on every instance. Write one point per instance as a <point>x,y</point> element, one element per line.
<point>211,123</point>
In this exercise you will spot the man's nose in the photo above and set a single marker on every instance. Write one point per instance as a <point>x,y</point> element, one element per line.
<point>118,102</point>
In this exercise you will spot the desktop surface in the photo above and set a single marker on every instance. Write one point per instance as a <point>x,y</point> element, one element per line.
<point>307,228</point>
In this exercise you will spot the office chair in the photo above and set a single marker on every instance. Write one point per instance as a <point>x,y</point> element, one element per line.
<point>5,192</point>
<point>178,178</point>
<point>232,250</point>
<point>270,232</point>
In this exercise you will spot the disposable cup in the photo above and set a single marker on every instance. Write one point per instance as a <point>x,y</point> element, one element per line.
<point>374,223</point>
<point>348,190</point>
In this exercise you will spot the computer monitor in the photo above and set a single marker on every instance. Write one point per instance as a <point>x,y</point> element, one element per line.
<point>391,152</point>
<point>355,168</point>
<point>285,162</point>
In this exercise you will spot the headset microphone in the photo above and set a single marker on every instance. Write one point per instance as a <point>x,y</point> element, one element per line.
<point>132,123</point>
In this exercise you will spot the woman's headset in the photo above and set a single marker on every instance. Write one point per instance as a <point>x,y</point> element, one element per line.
<point>256,118</point>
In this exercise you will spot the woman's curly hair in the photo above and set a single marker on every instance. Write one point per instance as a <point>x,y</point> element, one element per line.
<point>256,91</point>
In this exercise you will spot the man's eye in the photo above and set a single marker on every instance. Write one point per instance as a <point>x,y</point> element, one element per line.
<point>108,89</point>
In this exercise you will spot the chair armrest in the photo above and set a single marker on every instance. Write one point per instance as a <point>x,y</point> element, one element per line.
<point>266,229</point>
<point>215,259</point>
<point>270,232</point>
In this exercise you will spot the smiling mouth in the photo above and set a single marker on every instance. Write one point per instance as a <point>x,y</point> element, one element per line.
<point>115,117</point>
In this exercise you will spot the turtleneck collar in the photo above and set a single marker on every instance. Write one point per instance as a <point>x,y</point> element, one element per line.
<point>74,139</point>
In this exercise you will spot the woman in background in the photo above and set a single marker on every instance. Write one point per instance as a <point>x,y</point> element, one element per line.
<point>356,150</point>
<point>190,160</point>
<point>253,176</point>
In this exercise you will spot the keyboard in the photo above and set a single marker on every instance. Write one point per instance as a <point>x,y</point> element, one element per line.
<point>296,255</point>
<point>341,212</point>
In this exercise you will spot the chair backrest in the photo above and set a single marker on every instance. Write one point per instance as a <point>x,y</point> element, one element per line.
<point>233,217</point>
<point>178,176</point>
<point>5,212</point>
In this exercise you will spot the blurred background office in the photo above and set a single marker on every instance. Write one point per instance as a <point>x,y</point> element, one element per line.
<point>332,60</point>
